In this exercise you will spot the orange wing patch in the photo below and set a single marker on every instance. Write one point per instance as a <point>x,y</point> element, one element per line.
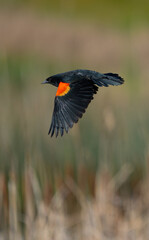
<point>63,88</point>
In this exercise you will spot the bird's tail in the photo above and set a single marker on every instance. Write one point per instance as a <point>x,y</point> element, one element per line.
<point>107,79</point>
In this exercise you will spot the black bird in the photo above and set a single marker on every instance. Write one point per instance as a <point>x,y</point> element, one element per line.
<point>75,92</point>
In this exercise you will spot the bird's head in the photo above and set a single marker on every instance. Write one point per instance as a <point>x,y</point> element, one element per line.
<point>54,80</point>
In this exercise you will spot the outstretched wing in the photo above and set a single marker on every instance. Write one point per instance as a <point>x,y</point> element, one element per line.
<point>70,103</point>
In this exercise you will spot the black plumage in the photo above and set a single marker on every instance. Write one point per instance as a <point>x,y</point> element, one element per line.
<point>75,92</point>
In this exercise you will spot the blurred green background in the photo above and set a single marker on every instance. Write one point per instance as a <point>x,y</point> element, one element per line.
<point>41,38</point>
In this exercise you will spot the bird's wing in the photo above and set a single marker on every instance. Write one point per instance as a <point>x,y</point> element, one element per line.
<point>70,103</point>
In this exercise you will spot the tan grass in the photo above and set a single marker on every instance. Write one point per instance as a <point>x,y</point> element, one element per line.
<point>106,216</point>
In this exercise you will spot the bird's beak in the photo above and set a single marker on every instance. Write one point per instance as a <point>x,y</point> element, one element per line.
<point>44,82</point>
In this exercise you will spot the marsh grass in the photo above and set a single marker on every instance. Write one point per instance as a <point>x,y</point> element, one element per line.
<point>107,215</point>
<point>92,183</point>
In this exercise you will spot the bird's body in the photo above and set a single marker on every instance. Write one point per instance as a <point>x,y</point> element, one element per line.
<point>75,91</point>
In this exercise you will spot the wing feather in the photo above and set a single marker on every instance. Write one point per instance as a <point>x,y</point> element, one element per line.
<point>69,108</point>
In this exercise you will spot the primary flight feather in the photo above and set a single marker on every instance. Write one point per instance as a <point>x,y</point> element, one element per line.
<point>74,93</point>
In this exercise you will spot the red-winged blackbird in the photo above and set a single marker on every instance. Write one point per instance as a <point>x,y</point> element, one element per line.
<point>75,92</point>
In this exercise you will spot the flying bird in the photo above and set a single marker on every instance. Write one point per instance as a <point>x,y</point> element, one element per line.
<point>74,93</point>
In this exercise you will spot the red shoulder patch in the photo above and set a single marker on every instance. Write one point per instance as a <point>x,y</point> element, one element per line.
<point>63,88</point>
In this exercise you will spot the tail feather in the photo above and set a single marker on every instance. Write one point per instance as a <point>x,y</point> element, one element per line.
<point>115,78</point>
<point>109,79</point>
